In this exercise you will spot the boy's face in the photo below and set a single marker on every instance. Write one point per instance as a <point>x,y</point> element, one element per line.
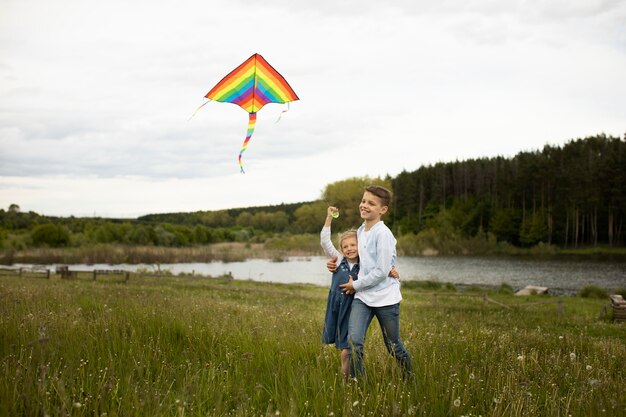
<point>350,249</point>
<point>371,207</point>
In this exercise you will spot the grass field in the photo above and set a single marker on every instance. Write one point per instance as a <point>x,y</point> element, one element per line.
<point>178,346</point>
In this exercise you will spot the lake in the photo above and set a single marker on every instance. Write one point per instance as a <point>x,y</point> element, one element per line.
<point>560,275</point>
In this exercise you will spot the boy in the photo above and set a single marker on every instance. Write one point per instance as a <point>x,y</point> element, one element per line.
<point>376,294</point>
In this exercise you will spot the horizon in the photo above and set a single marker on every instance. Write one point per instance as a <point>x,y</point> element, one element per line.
<point>87,216</point>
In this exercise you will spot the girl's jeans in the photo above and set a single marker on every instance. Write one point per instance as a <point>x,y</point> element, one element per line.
<point>389,319</point>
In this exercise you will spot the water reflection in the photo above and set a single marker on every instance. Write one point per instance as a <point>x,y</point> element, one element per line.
<point>560,275</point>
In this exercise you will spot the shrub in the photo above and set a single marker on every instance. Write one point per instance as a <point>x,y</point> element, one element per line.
<point>303,242</point>
<point>50,235</point>
<point>544,249</point>
<point>593,291</point>
<point>505,289</point>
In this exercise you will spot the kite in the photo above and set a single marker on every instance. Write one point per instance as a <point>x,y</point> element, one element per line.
<point>251,86</point>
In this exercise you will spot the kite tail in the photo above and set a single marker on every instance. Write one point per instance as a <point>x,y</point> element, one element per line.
<point>251,124</point>
<point>281,113</point>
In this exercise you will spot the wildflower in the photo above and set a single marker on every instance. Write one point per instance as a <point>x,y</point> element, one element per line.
<point>77,405</point>
<point>497,400</point>
<point>589,367</point>
<point>471,376</point>
<point>572,356</point>
<point>560,337</point>
<point>354,404</point>
<point>457,402</point>
<point>277,413</point>
<point>520,358</point>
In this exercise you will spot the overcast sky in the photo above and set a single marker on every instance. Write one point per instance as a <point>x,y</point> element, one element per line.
<point>95,95</point>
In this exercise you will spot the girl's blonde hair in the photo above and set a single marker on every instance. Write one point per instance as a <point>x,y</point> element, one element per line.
<point>345,235</point>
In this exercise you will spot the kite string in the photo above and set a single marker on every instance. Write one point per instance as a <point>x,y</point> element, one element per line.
<point>201,106</point>
<point>281,113</point>
<point>251,124</point>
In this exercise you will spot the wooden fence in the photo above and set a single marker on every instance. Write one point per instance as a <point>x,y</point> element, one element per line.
<point>27,272</point>
<point>63,272</point>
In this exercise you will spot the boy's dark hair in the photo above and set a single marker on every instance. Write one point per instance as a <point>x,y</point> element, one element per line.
<point>381,192</point>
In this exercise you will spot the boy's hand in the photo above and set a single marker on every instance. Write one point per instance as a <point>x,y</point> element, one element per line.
<point>348,288</point>
<point>394,273</point>
<point>332,264</point>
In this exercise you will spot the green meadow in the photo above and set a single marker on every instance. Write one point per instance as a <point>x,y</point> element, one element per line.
<point>181,346</point>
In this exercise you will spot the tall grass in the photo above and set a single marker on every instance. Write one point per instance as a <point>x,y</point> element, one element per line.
<point>117,254</point>
<point>196,347</point>
<point>281,246</point>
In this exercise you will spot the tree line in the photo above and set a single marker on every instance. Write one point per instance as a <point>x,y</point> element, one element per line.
<point>569,196</point>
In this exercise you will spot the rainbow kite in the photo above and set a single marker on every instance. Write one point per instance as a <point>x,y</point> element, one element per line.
<point>251,86</point>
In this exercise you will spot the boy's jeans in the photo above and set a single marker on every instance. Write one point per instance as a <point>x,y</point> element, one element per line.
<point>389,319</point>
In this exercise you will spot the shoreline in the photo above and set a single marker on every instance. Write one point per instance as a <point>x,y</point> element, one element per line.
<point>411,283</point>
<point>237,251</point>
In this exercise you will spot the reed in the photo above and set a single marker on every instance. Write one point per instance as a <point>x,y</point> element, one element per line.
<point>175,346</point>
<point>277,248</point>
<point>117,254</point>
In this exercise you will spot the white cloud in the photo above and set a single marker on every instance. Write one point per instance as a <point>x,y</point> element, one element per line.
<point>96,95</point>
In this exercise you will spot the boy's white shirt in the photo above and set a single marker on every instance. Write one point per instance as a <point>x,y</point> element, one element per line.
<point>377,254</point>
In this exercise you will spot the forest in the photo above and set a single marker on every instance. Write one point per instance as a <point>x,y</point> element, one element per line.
<point>569,196</point>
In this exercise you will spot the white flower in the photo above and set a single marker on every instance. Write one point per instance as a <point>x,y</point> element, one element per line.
<point>589,367</point>
<point>520,358</point>
<point>457,402</point>
<point>77,405</point>
<point>572,356</point>
<point>354,404</point>
<point>560,337</point>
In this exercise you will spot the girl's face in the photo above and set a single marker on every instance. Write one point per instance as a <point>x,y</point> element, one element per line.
<point>350,249</point>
